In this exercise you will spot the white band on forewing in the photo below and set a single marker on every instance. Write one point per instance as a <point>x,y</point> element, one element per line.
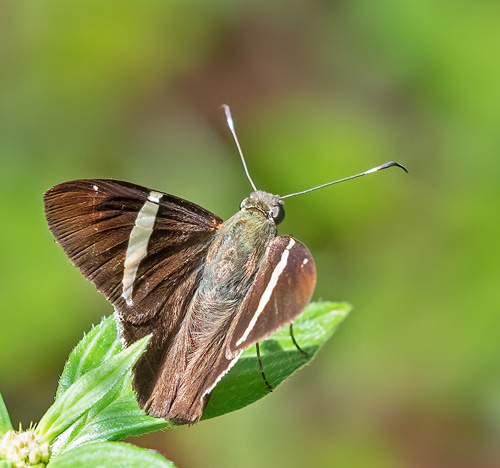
<point>138,243</point>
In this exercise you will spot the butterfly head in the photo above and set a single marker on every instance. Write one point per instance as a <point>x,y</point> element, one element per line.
<point>270,205</point>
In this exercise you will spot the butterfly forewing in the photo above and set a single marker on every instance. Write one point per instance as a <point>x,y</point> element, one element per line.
<point>93,221</point>
<point>282,288</point>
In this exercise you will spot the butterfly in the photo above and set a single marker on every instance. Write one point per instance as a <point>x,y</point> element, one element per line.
<point>205,289</point>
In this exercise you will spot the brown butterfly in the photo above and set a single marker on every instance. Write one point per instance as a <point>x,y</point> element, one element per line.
<point>205,289</point>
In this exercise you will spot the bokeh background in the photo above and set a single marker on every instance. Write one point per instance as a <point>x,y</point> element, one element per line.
<point>319,90</point>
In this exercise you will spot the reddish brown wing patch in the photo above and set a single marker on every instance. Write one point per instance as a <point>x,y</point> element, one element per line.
<point>283,287</point>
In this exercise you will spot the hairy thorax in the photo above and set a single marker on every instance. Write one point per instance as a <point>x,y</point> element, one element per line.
<point>231,264</point>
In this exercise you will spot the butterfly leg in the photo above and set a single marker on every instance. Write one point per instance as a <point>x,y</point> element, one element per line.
<point>295,342</point>
<point>268,385</point>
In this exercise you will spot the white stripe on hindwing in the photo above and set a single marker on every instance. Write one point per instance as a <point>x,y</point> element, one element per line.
<point>138,243</point>
<point>266,295</point>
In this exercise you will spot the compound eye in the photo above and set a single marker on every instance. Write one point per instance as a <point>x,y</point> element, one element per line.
<point>243,203</point>
<point>278,213</point>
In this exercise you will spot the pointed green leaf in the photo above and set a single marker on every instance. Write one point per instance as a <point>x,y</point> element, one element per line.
<point>280,358</point>
<point>5,424</point>
<point>121,419</point>
<point>67,436</point>
<point>97,387</point>
<point>98,345</point>
<point>110,455</point>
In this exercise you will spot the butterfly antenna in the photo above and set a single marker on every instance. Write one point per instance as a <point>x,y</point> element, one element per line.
<point>374,169</point>
<point>230,124</point>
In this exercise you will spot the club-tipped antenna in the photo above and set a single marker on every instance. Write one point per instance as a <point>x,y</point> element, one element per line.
<point>374,169</point>
<point>230,124</point>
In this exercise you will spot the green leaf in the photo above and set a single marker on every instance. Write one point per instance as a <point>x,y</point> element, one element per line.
<point>6,464</point>
<point>116,415</point>
<point>244,384</point>
<point>97,346</point>
<point>110,455</point>
<point>122,418</point>
<point>93,390</point>
<point>5,424</point>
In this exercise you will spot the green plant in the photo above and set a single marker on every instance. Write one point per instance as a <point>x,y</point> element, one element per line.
<point>95,406</point>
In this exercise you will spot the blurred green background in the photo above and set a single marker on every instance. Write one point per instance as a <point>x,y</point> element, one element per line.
<point>319,90</point>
